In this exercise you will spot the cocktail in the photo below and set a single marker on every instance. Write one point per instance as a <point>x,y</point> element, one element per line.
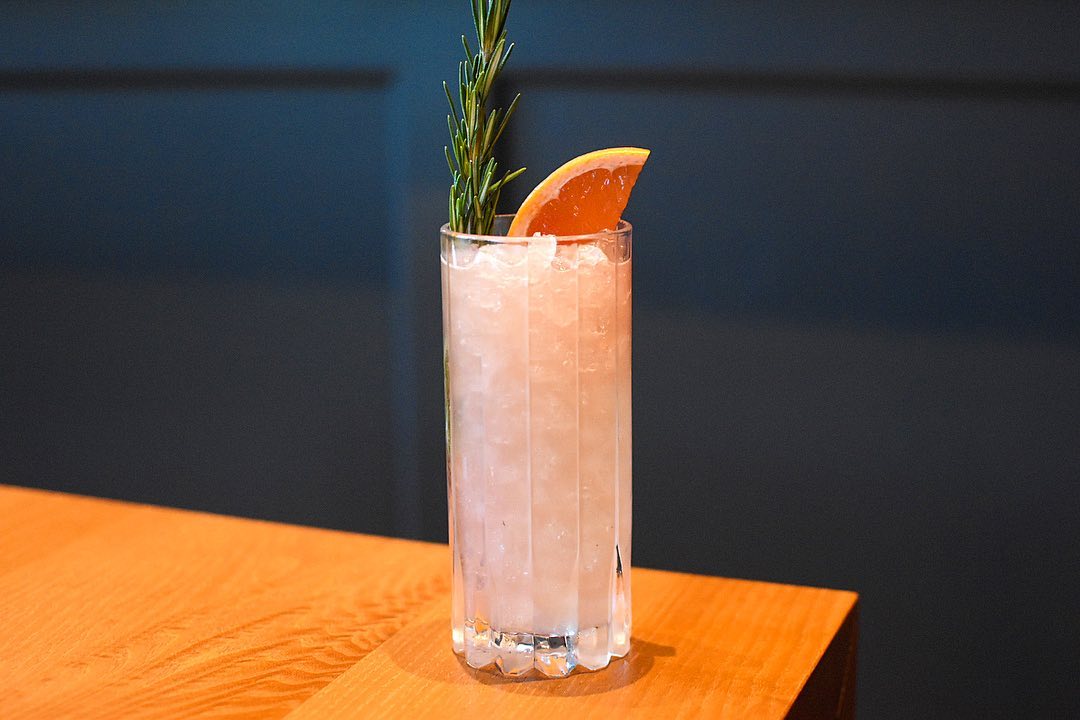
<point>537,343</point>
<point>537,336</point>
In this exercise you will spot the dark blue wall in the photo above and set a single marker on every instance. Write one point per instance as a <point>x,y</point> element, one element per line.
<point>857,330</point>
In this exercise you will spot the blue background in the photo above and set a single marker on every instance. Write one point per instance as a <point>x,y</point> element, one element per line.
<point>857,288</point>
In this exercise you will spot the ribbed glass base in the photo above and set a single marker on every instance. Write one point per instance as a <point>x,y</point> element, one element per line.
<point>521,655</point>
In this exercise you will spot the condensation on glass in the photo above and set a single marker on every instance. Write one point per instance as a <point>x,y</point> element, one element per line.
<point>537,369</point>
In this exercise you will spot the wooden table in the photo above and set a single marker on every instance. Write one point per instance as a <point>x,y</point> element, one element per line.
<point>114,610</point>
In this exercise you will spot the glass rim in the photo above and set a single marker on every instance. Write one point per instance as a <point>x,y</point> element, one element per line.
<point>623,228</point>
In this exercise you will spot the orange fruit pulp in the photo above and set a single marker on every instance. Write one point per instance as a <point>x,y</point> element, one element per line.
<point>586,195</point>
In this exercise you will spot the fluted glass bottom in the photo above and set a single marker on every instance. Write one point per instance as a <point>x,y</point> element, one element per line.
<point>524,654</point>
<point>519,654</point>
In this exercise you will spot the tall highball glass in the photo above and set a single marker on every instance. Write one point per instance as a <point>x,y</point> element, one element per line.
<point>536,356</point>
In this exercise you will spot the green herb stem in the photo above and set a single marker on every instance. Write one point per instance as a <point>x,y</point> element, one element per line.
<point>474,130</point>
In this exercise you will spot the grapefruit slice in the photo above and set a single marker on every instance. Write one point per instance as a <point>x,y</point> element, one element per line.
<point>586,195</point>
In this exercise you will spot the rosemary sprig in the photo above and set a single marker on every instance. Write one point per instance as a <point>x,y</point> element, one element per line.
<point>474,192</point>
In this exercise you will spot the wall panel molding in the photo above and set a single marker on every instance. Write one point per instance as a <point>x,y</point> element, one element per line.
<point>66,79</point>
<point>807,83</point>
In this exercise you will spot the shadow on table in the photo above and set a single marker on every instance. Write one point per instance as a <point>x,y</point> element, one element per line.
<point>620,673</point>
<point>415,656</point>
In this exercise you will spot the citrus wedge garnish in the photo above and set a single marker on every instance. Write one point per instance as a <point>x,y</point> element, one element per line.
<point>586,195</point>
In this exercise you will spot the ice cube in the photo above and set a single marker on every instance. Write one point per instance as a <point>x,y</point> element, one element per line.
<point>541,250</point>
<point>499,256</point>
<point>461,254</point>
<point>565,257</point>
<point>508,254</point>
<point>590,256</point>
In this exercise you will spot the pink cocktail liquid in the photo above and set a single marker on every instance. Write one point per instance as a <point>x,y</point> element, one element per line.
<point>537,361</point>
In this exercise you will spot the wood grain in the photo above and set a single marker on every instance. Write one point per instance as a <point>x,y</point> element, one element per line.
<point>109,609</point>
<point>114,610</point>
<point>703,647</point>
